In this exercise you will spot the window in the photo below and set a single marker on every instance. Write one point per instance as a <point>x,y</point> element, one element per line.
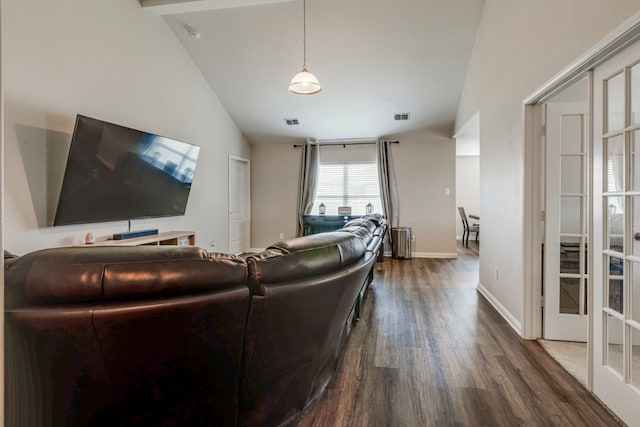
<point>348,184</point>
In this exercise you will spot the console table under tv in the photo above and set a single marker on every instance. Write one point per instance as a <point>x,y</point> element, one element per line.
<point>176,238</point>
<point>314,224</point>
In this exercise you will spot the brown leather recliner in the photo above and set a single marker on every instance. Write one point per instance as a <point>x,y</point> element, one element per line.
<point>124,336</point>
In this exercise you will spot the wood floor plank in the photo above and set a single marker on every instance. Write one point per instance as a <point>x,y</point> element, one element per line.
<point>430,351</point>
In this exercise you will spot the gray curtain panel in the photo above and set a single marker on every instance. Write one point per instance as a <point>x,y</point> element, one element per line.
<point>388,185</point>
<point>308,181</point>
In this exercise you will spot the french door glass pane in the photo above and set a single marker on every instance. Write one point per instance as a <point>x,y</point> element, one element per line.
<point>569,295</point>
<point>635,160</point>
<point>615,102</point>
<point>615,223</point>
<point>616,288</point>
<point>635,357</point>
<point>635,94</point>
<point>635,291</point>
<point>615,284</point>
<point>572,134</point>
<point>614,343</point>
<point>571,178</point>
<point>635,226</point>
<point>569,255</point>
<point>615,163</point>
<point>570,214</point>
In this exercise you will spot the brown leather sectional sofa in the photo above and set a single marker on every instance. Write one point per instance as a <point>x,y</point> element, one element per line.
<point>177,336</point>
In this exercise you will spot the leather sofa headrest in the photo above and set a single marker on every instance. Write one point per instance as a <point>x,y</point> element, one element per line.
<point>361,222</point>
<point>348,248</point>
<point>376,218</point>
<point>304,257</point>
<point>73,275</point>
<point>362,232</point>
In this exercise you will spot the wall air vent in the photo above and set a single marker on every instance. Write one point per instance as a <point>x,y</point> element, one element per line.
<point>401,116</point>
<point>291,122</point>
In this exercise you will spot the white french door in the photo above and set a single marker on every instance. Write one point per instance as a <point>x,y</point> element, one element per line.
<point>566,239</point>
<point>616,234</point>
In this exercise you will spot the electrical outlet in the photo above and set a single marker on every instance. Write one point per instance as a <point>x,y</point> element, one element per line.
<point>447,191</point>
<point>282,235</point>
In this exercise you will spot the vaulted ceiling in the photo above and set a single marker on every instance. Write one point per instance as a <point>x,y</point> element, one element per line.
<point>374,59</point>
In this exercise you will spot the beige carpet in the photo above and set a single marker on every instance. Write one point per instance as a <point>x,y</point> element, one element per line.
<point>572,356</point>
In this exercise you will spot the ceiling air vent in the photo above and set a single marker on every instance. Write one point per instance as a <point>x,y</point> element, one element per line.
<point>291,122</point>
<point>401,116</point>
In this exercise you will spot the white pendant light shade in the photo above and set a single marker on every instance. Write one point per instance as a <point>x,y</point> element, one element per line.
<point>304,83</point>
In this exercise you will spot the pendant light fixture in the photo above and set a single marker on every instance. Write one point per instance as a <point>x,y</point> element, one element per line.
<point>304,83</point>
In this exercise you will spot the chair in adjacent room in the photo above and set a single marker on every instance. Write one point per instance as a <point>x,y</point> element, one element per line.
<point>468,229</point>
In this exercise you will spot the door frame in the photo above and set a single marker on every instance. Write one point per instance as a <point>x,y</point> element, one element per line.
<point>533,189</point>
<point>247,204</point>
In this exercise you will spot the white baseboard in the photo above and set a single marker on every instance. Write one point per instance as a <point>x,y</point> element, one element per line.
<point>256,250</point>
<point>502,310</point>
<point>428,254</point>
<point>472,239</point>
<point>434,254</point>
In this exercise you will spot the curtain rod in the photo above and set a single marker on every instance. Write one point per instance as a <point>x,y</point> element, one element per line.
<point>345,143</point>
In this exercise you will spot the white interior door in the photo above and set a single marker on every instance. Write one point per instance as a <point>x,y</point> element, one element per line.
<point>566,239</point>
<point>616,238</point>
<point>239,197</point>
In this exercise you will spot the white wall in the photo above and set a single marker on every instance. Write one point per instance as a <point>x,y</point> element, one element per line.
<point>113,61</point>
<point>425,167</point>
<point>467,188</point>
<point>519,46</point>
<point>274,192</point>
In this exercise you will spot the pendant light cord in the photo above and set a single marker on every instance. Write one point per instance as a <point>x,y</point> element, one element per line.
<point>304,34</point>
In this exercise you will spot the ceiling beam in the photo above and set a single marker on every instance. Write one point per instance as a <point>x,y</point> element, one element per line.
<point>172,7</point>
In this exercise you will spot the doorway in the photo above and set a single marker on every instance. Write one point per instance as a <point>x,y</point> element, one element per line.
<point>566,239</point>
<point>468,172</point>
<point>239,205</point>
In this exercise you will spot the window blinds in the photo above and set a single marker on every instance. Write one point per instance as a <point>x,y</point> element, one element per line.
<point>348,184</point>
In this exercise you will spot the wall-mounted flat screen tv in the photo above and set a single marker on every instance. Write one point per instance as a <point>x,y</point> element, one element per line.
<point>117,173</point>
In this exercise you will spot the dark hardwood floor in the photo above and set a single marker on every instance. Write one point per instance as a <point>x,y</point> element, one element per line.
<point>430,351</point>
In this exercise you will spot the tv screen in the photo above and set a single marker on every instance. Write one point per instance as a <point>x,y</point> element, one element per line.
<point>117,173</point>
